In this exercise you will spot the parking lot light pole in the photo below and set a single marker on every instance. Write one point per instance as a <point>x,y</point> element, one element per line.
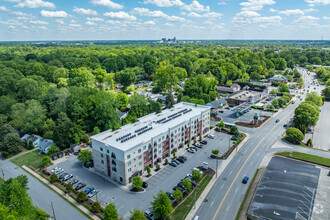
<point>96,196</point>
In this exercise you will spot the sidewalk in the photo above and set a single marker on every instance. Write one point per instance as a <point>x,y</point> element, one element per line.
<point>54,188</point>
<point>209,187</point>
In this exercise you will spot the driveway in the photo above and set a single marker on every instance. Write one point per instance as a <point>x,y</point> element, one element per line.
<point>165,179</point>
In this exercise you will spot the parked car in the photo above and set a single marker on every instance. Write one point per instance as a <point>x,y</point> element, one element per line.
<point>67,177</point>
<point>234,138</point>
<point>221,111</point>
<point>183,157</point>
<point>201,172</point>
<point>176,187</point>
<point>92,193</point>
<point>173,164</point>
<point>61,176</point>
<point>194,148</point>
<point>191,150</point>
<point>76,152</point>
<point>88,190</point>
<point>277,120</point>
<point>176,161</point>
<point>227,108</point>
<point>145,185</point>
<point>74,181</point>
<point>285,125</point>
<point>54,169</point>
<point>58,171</point>
<point>80,186</point>
<point>217,129</point>
<point>198,145</point>
<point>211,136</point>
<point>245,179</point>
<point>204,142</point>
<point>148,213</point>
<point>170,195</point>
<point>181,185</point>
<point>181,160</point>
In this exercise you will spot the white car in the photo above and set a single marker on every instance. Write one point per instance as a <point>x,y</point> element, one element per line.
<point>54,169</point>
<point>92,193</point>
<point>59,170</point>
<point>191,150</point>
<point>211,136</point>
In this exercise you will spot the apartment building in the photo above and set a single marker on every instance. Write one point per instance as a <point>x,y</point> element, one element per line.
<point>127,152</point>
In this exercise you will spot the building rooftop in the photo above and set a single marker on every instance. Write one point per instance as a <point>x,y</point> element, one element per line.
<point>244,94</point>
<point>130,135</point>
<point>278,77</point>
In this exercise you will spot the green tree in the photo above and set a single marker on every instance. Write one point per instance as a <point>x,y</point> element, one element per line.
<point>306,114</point>
<point>274,92</point>
<point>173,153</point>
<point>82,196</point>
<point>137,182</point>
<point>122,99</point>
<point>314,98</point>
<point>45,160</point>
<point>96,206</point>
<point>63,133</point>
<point>96,130</point>
<point>137,215</point>
<point>53,178</point>
<point>196,176</point>
<point>309,142</point>
<point>233,129</point>
<point>187,184</point>
<point>275,102</point>
<point>53,149</point>
<point>294,135</point>
<point>326,93</point>
<point>169,100</point>
<point>126,77</point>
<point>29,89</point>
<point>11,144</point>
<point>221,124</point>
<point>215,152</point>
<point>161,205</point>
<point>177,194</point>
<point>110,212</point>
<point>69,187</point>
<point>148,170</point>
<point>85,156</point>
<point>283,87</point>
<point>30,146</point>
<point>167,76</point>
<point>82,77</point>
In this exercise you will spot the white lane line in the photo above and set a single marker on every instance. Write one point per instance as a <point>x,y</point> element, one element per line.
<point>230,172</point>
<point>236,190</point>
<point>211,203</point>
<point>227,209</point>
<point>239,160</point>
<point>221,187</point>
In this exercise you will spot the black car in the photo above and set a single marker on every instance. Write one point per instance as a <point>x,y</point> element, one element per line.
<point>277,120</point>
<point>80,186</point>
<point>181,185</point>
<point>170,195</point>
<point>176,187</point>
<point>181,160</point>
<point>204,142</point>
<point>183,157</point>
<point>217,129</point>
<point>285,125</point>
<point>144,184</point>
<point>76,152</point>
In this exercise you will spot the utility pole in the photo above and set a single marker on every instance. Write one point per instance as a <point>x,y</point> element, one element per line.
<point>96,196</point>
<point>51,203</point>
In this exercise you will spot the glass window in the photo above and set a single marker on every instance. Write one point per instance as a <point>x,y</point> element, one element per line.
<point>145,160</point>
<point>108,151</point>
<point>159,140</point>
<point>101,149</point>
<point>145,154</point>
<point>129,170</point>
<point>140,163</point>
<point>163,138</point>
<point>113,155</point>
<point>114,169</point>
<point>129,163</point>
<point>128,156</point>
<point>102,161</point>
<point>102,155</point>
<point>139,151</point>
<point>140,157</point>
<point>144,147</point>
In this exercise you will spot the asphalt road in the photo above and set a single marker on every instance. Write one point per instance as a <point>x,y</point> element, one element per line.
<point>321,138</point>
<point>41,195</point>
<point>228,192</point>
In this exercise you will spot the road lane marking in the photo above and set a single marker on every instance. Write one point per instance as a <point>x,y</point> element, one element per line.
<point>221,187</point>
<point>211,203</point>
<point>230,172</point>
<point>236,190</point>
<point>215,214</point>
<point>227,209</point>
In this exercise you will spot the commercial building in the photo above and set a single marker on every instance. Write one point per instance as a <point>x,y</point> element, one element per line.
<point>278,78</point>
<point>217,104</point>
<point>127,152</point>
<point>250,96</point>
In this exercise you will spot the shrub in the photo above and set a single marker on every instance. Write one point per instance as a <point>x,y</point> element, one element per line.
<point>294,135</point>
<point>157,167</point>
<point>45,160</point>
<point>53,178</point>
<point>82,196</point>
<point>137,182</point>
<point>166,161</point>
<point>69,187</point>
<point>96,206</point>
<point>309,142</point>
<point>196,176</point>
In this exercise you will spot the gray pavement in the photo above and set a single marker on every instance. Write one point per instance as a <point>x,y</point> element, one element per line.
<point>228,192</point>
<point>41,195</point>
<point>165,179</point>
<point>321,137</point>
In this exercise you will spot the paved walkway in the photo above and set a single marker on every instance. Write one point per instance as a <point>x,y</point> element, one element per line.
<point>208,188</point>
<point>78,205</point>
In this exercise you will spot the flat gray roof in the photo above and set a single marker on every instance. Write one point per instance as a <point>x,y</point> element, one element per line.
<point>286,190</point>
<point>149,126</point>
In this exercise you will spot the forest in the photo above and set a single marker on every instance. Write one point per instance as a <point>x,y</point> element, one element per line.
<point>67,93</point>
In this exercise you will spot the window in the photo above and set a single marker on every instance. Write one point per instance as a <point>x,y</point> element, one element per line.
<point>129,163</point>
<point>155,156</point>
<point>113,162</point>
<point>121,179</point>
<point>140,164</point>
<point>159,140</point>
<point>175,131</point>
<point>160,152</point>
<point>128,156</point>
<point>102,155</point>
<point>129,170</point>
<point>102,161</point>
<point>144,147</point>
<point>140,157</point>
<point>179,129</point>
<point>108,151</point>
<point>163,138</point>
<point>101,149</point>
<point>139,151</point>
<point>155,149</point>
<point>113,155</point>
<point>150,157</point>
<point>145,154</point>
<point>114,169</point>
<point>145,160</point>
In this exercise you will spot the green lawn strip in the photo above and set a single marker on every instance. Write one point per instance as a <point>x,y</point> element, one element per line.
<point>82,212</point>
<point>32,158</point>
<point>307,157</point>
<point>183,209</point>
<point>246,194</point>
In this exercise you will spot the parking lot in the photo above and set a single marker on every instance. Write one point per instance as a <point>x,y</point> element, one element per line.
<point>165,179</point>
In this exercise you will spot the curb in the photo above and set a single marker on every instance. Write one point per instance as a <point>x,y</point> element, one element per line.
<point>209,187</point>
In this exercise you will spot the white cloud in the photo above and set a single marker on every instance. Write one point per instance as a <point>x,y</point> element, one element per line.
<point>255,5</point>
<point>35,4</point>
<point>196,6</point>
<point>156,14</point>
<point>54,14</point>
<point>249,17</point>
<point>169,25</point>
<point>84,11</point>
<point>306,19</point>
<point>310,10</point>
<point>3,8</point>
<point>294,12</point>
<point>273,10</point>
<point>149,23</point>
<point>43,27</point>
<point>318,2</point>
<point>90,23</point>
<point>120,15</point>
<point>221,3</point>
<point>60,21</point>
<point>39,22</point>
<point>247,14</point>
<point>194,15</point>
<point>75,25</point>
<point>113,22</point>
<point>205,15</point>
<point>164,3</point>
<point>95,19</point>
<point>73,21</point>
<point>271,19</point>
<point>107,3</point>
<point>326,18</point>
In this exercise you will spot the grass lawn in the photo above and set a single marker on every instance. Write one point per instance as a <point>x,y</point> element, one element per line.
<point>182,210</point>
<point>246,194</point>
<point>307,157</point>
<point>32,158</point>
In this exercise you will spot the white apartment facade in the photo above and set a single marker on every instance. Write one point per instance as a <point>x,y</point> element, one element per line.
<point>127,152</point>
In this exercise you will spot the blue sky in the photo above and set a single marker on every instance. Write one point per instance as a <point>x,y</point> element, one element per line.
<point>155,19</point>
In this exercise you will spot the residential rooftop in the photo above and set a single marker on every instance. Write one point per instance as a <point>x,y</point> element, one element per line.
<point>130,135</point>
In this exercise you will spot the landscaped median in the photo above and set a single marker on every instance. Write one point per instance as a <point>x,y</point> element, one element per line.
<point>306,157</point>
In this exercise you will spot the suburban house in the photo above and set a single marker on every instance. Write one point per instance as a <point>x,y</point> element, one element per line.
<point>228,89</point>
<point>217,104</point>
<point>74,147</point>
<point>121,115</point>
<point>36,139</point>
<point>45,145</point>
<point>278,78</point>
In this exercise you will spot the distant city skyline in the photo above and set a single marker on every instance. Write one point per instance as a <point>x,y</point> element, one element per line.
<point>37,20</point>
